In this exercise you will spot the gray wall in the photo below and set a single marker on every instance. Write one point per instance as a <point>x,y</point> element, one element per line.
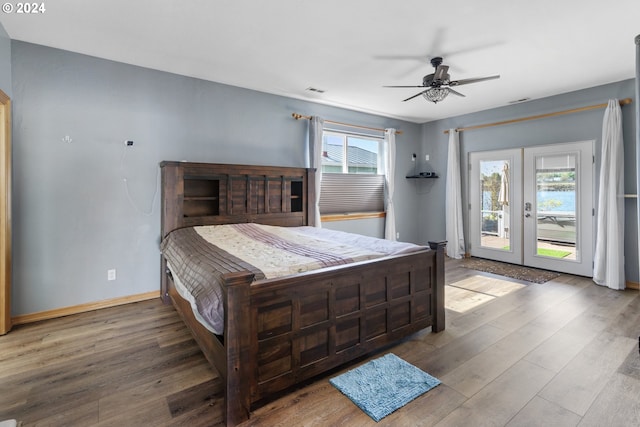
<point>5,61</point>
<point>567,128</point>
<point>74,215</point>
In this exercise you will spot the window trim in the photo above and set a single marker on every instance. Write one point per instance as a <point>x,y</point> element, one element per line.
<point>352,216</point>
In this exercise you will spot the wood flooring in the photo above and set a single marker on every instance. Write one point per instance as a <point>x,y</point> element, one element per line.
<point>562,353</point>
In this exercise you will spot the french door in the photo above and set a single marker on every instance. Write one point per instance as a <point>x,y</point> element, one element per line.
<point>534,206</point>
<point>495,199</point>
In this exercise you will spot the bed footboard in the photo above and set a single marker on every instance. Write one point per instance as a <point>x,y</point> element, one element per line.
<point>307,324</point>
<point>281,332</point>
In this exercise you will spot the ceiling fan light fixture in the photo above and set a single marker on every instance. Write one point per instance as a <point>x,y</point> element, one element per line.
<point>436,94</point>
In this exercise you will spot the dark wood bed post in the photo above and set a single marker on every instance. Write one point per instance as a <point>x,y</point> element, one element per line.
<point>237,343</point>
<point>311,197</point>
<point>172,191</point>
<point>164,285</point>
<point>438,289</point>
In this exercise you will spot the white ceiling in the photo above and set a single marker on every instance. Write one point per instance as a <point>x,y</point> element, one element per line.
<point>351,48</point>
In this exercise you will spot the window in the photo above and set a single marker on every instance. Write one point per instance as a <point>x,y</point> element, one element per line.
<point>342,153</point>
<point>352,173</point>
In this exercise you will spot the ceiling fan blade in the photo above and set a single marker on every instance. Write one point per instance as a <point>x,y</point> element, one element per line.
<point>402,86</point>
<point>401,57</point>
<point>411,97</point>
<point>475,80</point>
<point>441,73</point>
<point>455,92</point>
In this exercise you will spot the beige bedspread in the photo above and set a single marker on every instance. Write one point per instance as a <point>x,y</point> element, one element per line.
<point>199,256</point>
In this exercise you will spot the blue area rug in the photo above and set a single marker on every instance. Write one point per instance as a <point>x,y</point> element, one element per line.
<point>383,385</point>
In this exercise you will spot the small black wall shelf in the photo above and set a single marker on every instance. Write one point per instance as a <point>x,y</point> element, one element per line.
<point>423,175</point>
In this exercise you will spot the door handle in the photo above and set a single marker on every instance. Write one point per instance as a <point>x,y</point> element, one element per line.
<point>527,215</point>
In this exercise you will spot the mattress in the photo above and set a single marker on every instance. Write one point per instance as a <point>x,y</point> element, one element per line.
<point>198,257</point>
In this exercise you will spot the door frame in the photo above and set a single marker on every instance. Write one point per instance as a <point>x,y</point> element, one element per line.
<point>5,213</point>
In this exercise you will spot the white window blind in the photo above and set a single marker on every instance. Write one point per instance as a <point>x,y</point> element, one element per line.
<point>347,193</point>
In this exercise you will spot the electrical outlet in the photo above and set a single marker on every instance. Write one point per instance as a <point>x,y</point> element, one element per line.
<point>426,157</point>
<point>111,274</point>
<point>397,234</point>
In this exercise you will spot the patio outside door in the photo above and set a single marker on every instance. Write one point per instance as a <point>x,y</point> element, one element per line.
<point>534,206</point>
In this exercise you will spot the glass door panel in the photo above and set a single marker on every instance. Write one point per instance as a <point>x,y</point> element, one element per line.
<point>556,196</point>
<point>495,210</point>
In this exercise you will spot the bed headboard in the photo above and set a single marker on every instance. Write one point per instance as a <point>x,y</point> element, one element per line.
<point>214,193</point>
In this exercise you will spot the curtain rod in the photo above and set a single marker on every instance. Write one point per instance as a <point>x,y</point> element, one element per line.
<point>300,116</point>
<point>541,116</point>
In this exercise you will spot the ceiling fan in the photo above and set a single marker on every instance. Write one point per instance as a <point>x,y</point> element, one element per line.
<point>438,84</point>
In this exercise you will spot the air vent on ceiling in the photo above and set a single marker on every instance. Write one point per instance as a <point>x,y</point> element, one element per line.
<point>314,89</point>
<point>517,101</point>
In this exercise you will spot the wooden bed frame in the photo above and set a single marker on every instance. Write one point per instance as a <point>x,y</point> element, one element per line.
<point>280,332</point>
